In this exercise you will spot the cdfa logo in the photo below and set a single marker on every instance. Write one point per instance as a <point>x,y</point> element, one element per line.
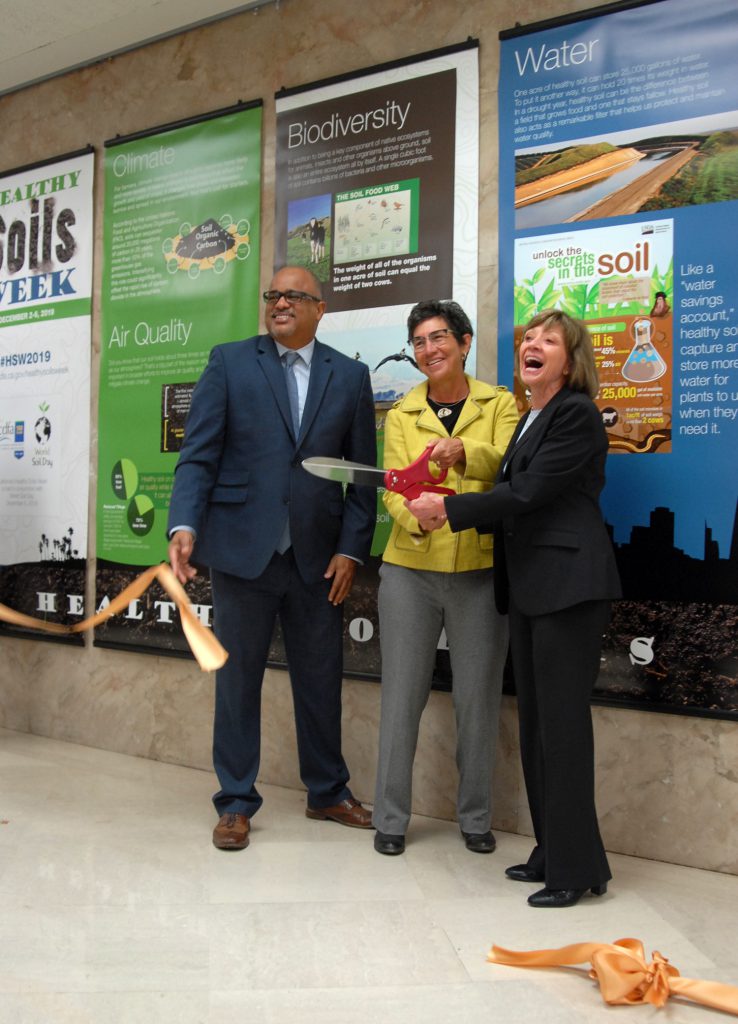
<point>20,436</point>
<point>641,650</point>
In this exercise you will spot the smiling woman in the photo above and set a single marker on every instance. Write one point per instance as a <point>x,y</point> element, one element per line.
<point>432,581</point>
<point>556,350</point>
<point>555,575</point>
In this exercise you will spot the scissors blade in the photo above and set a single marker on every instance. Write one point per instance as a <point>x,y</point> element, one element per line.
<point>343,471</point>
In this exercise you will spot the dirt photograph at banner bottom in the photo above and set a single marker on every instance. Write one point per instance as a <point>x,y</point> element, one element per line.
<point>50,590</point>
<point>670,657</point>
<point>153,623</point>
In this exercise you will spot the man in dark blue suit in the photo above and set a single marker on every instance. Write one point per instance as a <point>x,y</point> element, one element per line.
<point>277,541</point>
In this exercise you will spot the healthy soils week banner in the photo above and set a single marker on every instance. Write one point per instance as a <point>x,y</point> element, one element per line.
<point>619,205</point>
<point>45,290</point>
<point>181,274</point>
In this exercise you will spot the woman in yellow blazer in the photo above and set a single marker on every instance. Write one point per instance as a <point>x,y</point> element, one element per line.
<point>436,580</point>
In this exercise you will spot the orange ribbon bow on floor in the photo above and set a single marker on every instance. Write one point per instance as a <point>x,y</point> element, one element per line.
<point>204,645</point>
<point>624,976</point>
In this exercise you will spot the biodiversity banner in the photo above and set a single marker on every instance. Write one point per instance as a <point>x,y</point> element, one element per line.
<point>377,194</point>
<point>619,205</point>
<point>46,243</point>
<point>181,274</point>
<point>377,186</point>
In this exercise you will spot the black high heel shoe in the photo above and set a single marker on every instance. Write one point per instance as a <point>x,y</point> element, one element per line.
<point>522,873</point>
<point>563,897</point>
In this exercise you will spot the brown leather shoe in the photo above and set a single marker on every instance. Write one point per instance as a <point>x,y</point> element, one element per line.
<point>348,812</point>
<point>231,832</point>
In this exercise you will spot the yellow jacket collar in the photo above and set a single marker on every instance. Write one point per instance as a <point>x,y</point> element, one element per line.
<point>417,399</point>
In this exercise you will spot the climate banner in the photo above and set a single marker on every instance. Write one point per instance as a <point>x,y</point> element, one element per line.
<point>46,242</point>
<point>619,205</point>
<point>181,274</point>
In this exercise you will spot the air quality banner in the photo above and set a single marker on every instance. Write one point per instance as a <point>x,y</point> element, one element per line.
<point>377,194</point>
<point>45,301</point>
<point>181,274</point>
<point>619,205</point>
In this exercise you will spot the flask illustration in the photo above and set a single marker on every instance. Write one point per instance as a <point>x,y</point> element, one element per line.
<point>644,364</point>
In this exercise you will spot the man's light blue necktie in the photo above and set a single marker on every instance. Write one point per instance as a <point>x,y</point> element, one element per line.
<point>288,362</point>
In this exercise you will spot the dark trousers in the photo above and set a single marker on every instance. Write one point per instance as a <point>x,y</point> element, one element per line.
<point>556,659</point>
<point>245,612</point>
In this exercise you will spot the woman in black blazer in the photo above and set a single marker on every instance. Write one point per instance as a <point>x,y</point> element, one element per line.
<point>556,576</point>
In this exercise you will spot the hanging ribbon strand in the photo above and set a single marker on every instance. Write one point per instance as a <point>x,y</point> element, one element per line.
<point>623,974</point>
<point>208,651</point>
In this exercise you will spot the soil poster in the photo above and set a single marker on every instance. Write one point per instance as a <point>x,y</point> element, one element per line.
<point>377,194</point>
<point>181,274</point>
<point>45,301</point>
<point>619,205</point>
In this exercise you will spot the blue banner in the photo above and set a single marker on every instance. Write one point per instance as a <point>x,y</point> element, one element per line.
<point>619,204</point>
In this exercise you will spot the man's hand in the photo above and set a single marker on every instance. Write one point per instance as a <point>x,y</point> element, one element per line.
<point>448,452</point>
<point>429,510</point>
<point>341,569</point>
<point>180,549</point>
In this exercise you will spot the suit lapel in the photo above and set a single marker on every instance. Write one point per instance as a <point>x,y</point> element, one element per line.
<point>271,366</point>
<point>321,372</point>
<point>536,431</point>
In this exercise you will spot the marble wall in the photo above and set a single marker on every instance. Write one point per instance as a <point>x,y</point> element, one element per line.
<point>667,785</point>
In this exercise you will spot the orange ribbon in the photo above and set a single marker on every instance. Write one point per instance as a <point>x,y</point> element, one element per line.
<point>624,976</point>
<point>203,644</point>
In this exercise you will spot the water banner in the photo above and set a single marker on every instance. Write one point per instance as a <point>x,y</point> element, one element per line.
<point>619,205</point>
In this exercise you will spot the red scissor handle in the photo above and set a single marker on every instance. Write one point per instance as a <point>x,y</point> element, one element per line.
<point>417,477</point>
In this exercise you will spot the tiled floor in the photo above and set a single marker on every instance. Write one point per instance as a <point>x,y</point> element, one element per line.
<point>116,909</point>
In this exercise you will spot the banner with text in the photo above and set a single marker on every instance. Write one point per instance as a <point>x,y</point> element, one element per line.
<point>377,194</point>
<point>619,205</point>
<point>46,242</point>
<point>181,274</point>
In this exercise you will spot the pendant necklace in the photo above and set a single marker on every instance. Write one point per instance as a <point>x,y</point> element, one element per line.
<point>444,409</point>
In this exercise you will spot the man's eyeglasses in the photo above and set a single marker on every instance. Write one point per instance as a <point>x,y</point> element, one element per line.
<point>435,338</point>
<point>294,298</point>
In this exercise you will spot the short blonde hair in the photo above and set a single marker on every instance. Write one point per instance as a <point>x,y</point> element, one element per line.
<point>582,374</point>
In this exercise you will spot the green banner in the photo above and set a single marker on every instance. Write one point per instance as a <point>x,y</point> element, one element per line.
<point>181,274</point>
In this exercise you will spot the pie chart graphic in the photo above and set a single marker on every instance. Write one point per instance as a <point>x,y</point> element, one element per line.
<point>124,478</point>
<point>141,515</point>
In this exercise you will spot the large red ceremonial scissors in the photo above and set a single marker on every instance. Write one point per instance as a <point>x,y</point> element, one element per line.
<point>411,481</point>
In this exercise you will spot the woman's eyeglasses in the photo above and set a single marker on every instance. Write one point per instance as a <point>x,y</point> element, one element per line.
<point>434,338</point>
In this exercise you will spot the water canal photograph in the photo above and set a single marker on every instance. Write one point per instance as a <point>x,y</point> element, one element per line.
<point>589,179</point>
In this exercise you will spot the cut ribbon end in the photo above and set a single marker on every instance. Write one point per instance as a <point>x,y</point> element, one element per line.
<point>205,646</point>
<point>624,976</point>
